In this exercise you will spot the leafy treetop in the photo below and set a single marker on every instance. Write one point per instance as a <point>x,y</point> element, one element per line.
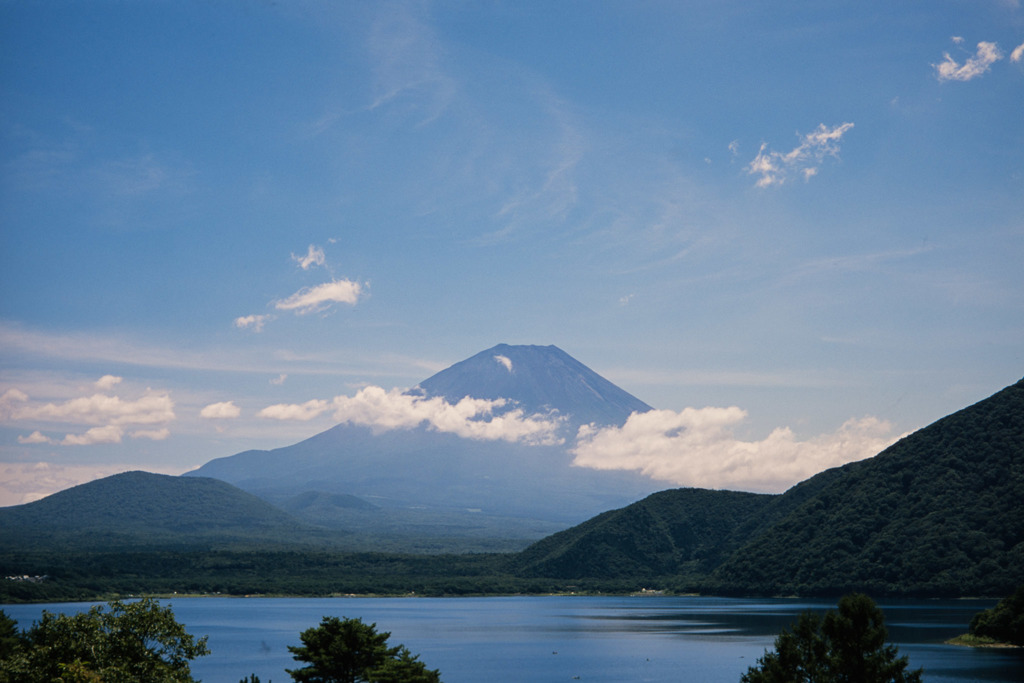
<point>1004,622</point>
<point>138,641</point>
<point>847,646</point>
<point>351,651</point>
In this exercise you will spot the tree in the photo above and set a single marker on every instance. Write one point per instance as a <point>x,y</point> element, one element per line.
<point>350,651</point>
<point>847,646</point>
<point>1004,622</point>
<point>404,667</point>
<point>10,642</point>
<point>139,641</point>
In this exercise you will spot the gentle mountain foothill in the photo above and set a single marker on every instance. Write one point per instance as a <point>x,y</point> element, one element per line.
<point>141,509</point>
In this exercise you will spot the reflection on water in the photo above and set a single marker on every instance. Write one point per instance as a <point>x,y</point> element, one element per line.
<point>539,639</point>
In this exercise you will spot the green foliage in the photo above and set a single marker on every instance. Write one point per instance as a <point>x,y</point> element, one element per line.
<point>138,641</point>
<point>1004,622</point>
<point>404,667</point>
<point>654,537</point>
<point>846,646</point>
<point>351,651</point>
<point>141,509</point>
<point>936,514</point>
<point>10,641</point>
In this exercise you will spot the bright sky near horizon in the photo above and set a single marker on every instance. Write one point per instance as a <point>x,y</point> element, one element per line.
<point>786,225</point>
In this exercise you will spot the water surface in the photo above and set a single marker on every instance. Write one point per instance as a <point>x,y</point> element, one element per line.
<point>541,639</point>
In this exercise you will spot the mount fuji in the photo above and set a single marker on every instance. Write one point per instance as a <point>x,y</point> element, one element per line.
<point>537,379</point>
<point>423,481</point>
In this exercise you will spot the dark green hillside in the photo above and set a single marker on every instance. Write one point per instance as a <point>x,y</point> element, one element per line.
<point>938,513</point>
<point>682,530</point>
<point>144,509</point>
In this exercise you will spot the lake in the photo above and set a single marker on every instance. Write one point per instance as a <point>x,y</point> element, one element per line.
<point>563,638</point>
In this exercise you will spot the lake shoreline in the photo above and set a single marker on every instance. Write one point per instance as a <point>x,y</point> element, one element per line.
<point>968,640</point>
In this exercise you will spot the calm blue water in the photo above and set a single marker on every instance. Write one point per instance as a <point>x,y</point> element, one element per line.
<point>542,639</point>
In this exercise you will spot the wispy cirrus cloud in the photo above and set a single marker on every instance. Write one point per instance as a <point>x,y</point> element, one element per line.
<point>33,344</point>
<point>408,61</point>
<point>775,168</point>
<point>322,296</point>
<point>696,447</point>
<point>140,175</point>
<point>974,66</point>
<point>471,418</point>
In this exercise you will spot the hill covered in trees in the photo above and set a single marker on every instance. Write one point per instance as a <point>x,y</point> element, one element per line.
<point>138,509</point>
<point>938,513</point>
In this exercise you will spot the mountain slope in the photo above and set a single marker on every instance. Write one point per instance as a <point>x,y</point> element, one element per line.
<point>140,508</point>
<point>666,533</point>
<point>534,488</point>
<point>938,513</point>
<point>679,532</point>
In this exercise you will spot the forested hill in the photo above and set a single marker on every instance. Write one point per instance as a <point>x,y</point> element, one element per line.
<point>665,533</point>
<point>681,532</point>
<point>143,509</point>
<point>938,513</point>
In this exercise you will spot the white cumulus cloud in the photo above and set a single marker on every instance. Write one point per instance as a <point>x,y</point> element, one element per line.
<point>222,410</point>
<point>985,57</point>
<point>34,437</point>
<point>320,297</point>
<point>314,257</point>
<point>696,447</point>
<point>96,435</point>
<point>108,382</point>
<point>774,168</point>
<point>504,360</point>
<point>1017,54</point>
<point>471,418</point>
<point>292,411</point>
<point>253,322</point>
<point>111,416</point>
<point>153,408</point>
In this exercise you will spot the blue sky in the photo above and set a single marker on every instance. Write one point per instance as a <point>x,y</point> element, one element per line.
<point>810,212</point>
